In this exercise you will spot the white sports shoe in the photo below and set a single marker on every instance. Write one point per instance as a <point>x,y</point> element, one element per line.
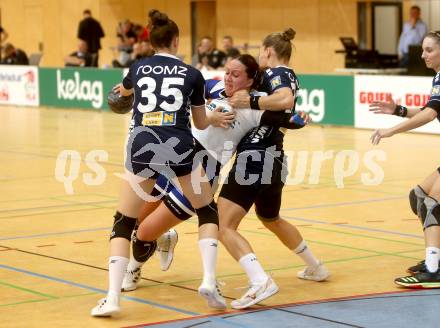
<point>165,248</point>
<point>256,294</point>
<point>131,279</point>
<point>212,293</point>
<point>106,307</point>
<point>318,273</point>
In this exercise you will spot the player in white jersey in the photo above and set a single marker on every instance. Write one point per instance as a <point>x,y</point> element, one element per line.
<point>216,145</point>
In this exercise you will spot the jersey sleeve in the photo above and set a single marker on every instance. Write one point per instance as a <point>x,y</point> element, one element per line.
<point>198,95</point>
<point>279,119</point>
<point>127,82</point>
<point>276,81</point>
<point>434,100</point>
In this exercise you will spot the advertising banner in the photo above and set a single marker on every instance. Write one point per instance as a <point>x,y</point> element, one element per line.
<point>19,85</point>
<point>77,87</point>
<point>409,91</point>
<point>327,98</point>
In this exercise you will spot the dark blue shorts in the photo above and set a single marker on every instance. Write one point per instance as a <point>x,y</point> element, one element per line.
<point>155,150</point>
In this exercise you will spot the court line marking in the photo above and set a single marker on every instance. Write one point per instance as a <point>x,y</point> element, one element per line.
<point>233,313</point>
<point>56,212</point>
<point>56,233</point>
<point>71,204</point>
<point>48,296</point>
<point>354,227</point>
<point>97,290</point>
<point>372,200</point>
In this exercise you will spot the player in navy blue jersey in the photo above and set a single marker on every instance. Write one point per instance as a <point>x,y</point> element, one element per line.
<point>257,176</point>
<point>424,198</point>
<point>160,143</point>
<point>218,146</point>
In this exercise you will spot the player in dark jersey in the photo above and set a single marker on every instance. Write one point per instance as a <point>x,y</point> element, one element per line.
<point>212,142</point>
<point>257,176</point>
<point>425,197</point>
<point>160,142</point>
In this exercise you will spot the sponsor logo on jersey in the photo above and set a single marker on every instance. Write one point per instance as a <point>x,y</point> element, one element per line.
<point>435,91</point>
<point>276,81</point>
<point>80,90</point>
<point>159,119</point>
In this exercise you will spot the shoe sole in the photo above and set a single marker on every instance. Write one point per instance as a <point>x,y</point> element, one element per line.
<point>311,279</point>
<point>108,313</point>
<point>210,297</point>
<point>257,300</point>
<point>128,289</point>
<point>171,251</point>
<point>422,285</point>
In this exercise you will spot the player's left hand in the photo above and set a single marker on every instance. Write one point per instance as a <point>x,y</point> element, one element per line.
<point>221,119</point>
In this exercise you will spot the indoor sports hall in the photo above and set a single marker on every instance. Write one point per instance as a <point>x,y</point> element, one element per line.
<point>62,163</point>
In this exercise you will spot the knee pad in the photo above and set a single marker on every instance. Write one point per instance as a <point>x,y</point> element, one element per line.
<point>123,226</point>
<point>416,198</point>
<point>208,214</point>
<point>178,205</point>
<point>143,250</point>
<point>430,213</point>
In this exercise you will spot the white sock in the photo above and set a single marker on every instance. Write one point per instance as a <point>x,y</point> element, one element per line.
<point>432,258</point>
<point>133,264</point>
<point>253,268</point>
<point>116,271</point>
<point>208,250</point>
<point>306,254</point>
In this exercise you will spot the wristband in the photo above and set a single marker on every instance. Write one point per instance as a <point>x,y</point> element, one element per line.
<point>254,102</point>
<point>400,111</point>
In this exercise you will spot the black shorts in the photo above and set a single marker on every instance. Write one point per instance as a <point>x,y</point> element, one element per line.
<point>153,150</point>
<point>259,180</point>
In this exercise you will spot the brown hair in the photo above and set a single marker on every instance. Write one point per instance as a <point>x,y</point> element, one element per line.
<point>162,29</point>
<point>435,35</point>
<point>252,68</point>
<point>280,42</point>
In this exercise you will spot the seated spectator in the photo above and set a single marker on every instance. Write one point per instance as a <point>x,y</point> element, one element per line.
<point>127,38</point>
<point>142,33</point>
<point>228,47</point>
<point>216,57</point>
<point>79,58</point>
<point>14,56</point>
<point>140,50</point>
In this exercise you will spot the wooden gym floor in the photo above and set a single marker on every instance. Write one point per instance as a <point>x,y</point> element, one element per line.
<point>54,245</point>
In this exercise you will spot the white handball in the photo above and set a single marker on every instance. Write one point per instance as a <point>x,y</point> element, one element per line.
<point>213,105</point>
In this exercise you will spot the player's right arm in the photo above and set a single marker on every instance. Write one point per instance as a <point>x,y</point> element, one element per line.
<point>390,108</point>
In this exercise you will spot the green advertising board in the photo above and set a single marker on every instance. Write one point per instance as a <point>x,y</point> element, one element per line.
<point>77,87</point>
<point>327,98</point>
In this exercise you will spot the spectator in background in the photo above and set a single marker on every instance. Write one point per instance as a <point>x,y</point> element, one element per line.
<point>13,56</point>
<point>141,32</point>
<point>127,38</point>
<point>228,47</point>
<point>79,58</point>
<point>3,34</point>
<point>90,31</point>
<point>140,50</point>
<point>413,33</point>
<point>216,58</point>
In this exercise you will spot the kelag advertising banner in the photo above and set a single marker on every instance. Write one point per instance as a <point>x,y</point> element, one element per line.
<point>78,88</point>
<point>19,85</point>
<point>327,98</point>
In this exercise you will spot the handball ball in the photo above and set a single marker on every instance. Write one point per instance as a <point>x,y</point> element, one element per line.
<point>220,102</point>
<point>119,104</point>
